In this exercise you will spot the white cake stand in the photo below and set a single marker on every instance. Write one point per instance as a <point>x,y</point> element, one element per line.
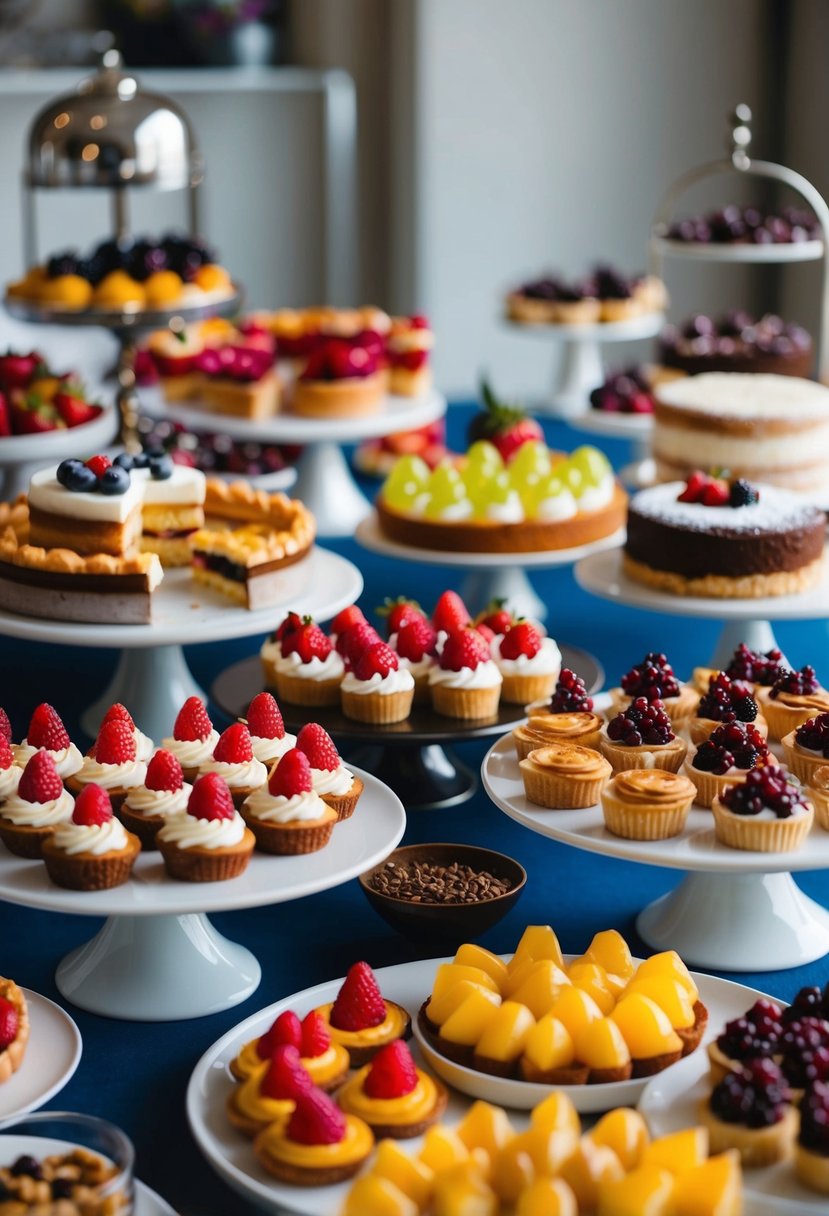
<point>636,428</point>
<point>580,369</point>
<point>157,957</point>
<point>324,481</point>
<point>747,620</point>
<point>734,910</point>
<point>492,575</point>
<point>152,676</point>
<point>22,455</point>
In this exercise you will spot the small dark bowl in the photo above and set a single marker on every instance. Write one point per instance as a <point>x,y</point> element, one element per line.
<point>450,924</point>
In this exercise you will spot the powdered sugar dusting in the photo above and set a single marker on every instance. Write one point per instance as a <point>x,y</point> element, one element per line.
<point>777,511</point>
<point>746,395</point>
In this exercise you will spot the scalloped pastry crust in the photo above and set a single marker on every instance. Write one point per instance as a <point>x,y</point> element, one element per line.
<point>12,1056</point>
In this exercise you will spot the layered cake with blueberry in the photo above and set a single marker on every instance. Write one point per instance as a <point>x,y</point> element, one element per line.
<point>766,428</point>
<point>603,295</point>
<point>723,539</point>
<point>737,342</point>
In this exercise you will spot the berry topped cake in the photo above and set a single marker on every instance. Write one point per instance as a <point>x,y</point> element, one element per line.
<point>767,813</point>
<point>725,757</point>
<point>653,678</point>
<point>737,342</point>
<point>793,698</point>
<point>725,701</point>
<point>342,379</point>
<point>603,295</point>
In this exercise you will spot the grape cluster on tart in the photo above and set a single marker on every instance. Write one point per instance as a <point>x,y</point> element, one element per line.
<point>746,224</point>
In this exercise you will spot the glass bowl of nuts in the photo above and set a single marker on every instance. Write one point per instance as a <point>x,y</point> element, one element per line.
<point>59,1162</point>
<point>449,893</point>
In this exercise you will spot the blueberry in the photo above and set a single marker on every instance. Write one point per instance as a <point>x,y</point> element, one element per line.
<point>124,461</point>
<point>114,480</point>
<point>140,460</point>
<point>66,468</point>
<point>161,467</point>
<point>79,479</point>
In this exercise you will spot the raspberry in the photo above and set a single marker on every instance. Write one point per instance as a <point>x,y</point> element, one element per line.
<point>39,781</point>
<point>115,743</point>
<point>291,776</point>
<point>415,640</point>
<point>92,806</point>
<point>118,713</point>
<point>264,717</point>
<point>164,772</point>
<point>764,789</point>
<point>9,1023</point>
<point>643,722</point>
<point>234,745</point>
<point>309,642</point>
<point>6,754</point>
<point>193,723</point>
<point>392,1072</point>
<point>756,1096</point>
<point>47,730</point>
<point>726,700</point>
<point>285,1077</point>
<point>359,1004</point>
<point>463,648</point>
<point>450,613</point>
<point>98,464</point>
<point>347,619</point>
<point>319,747</point>
<point>814,1119</point>
<point>399,612</point>
<point>211,799</point>
<point>379,660</point>
<point>316,1119</point>
<point>570,695</point>
<point>741,1041</point>
<point>801,683</point>
<point>5,726</point>
<point>286,1029</point>
<point>814,734</point>
<point>653,678</point>
<point>522,639</point>
<point>315,1037</point>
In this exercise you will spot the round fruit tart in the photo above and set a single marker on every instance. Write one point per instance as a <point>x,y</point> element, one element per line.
<point>360,1019</point>
<point>807,748</point>
<point>342,379</point>
<point>395,1098</point>
<point>751,1111</point>
<point>811,1158</point>
<point>766,813</point>
<point>325,1062</point>
<point>653,678</point>
<point>794,698</point>
<point>642,737</point>
<point>725,700</point>
<point>318,1145</point>
<point>14,1028</point>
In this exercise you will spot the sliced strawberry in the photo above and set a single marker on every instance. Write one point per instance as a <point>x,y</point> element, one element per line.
<point>319,747</point>
<point>5,417</point>
<point>115,743</point>
<point>46,729</point>
<point>5,726</point>
<point>309,642</point>
<point>416,639</point>
<point>287,1029</point>
<point>234,745</point>
<point>522,639</point>
<point>392,1073</point>
<point>399,612</point>
<point>264,717</point>
<point>463,648</point>
<point>450,613</point>
<point>164,772</point>
<point>377,660</point>
<point>315,1037</point>
<point>286,1077</point>
<point>211,799</point>
<point>496,617</point>
<point>119,713</point>
<point>18,371</point>
<point>98,464</point>
<point>6,754</point>
<point>193,722</point>
<point>74,410</point>
<point>359,1003</point>
<point>291,776</point>
<point>347,619</point>
<point>39,781</point>
<point>9,1023</point>
<point>316,1119</point>
<point>92,806</point>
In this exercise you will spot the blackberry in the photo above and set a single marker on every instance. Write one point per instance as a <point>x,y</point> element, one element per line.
<point>743,493</point>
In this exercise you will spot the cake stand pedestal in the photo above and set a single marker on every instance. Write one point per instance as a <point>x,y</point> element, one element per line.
<point>324,481</point>
<point>152,677</point>
<point>23,455</point>
<point>490,575</point>
<point>580,367</point>
<point>158,958</point>
<point>412,757</point>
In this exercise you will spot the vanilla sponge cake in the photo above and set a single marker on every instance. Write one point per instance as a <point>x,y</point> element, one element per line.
<point>86,523</point>
<point>173,509</point>
<point>772,429</point>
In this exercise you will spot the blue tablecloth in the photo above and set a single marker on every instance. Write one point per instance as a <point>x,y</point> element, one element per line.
<point>136,1074</point>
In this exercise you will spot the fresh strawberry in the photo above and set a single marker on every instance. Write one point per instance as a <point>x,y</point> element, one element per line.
<point>46,729</point>
<point>496,617</point>
<point>164,772</point>
<point>115,743</point>
<point>399,612</point>
<point>39,781</point>
<point>392,1073</point>
<point>507,426</point>
<point>18,371</point>
<point>359,1004</point>
<point>234,745</point>
<point>211,799</point>
<point>92,806</point>
<point>5,726</point>
<point>319,747</point>
<point>309,642</point>
<point>522,639</point>
<point>489,635</point>
<point>73,410</point>
<point>450,613</point>
<point>265,718</point>
<point>415,639</point>
<point>316,1119</point>
<point>464,648</point>
<point>315,1037</point>
<point>291,776</point>
<point>355,640</point>
<point>6,754</point>
<point>34,416</point>
<point>98,464</point>
<point>694,486</point>
<point>287,1029</point>
<point>716,494</point>
<point>119,713</point>
<point>288,624</point>
<point>5,417</point>
<point>378,660</point>
<point>193,722</point>
<point>347,619</point>
<point>285,1077</point>
<point>9,1023</point>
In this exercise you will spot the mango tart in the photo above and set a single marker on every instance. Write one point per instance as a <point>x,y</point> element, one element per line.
<point>395,1098</point>
<point>564,775</point>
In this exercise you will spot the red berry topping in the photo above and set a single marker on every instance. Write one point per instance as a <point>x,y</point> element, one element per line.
<point>496,617</point>
<point>653,678</point>
<point>570,695</point>
<point>287,1029</point>
<point>732,745</point>
<point>347,619</point>
<point>92,806</point>
<point>450,613</point>
<point>814,1119</point>
<point>765,789</point>
<point>355,640</point>
<point>98,464</point>
<point>6,754</point>
<point>643,722</point>
<point>416,639</point>
<point>291,776</point>
<point>285,1077</point>
<point>756,1096</point>
<point>288,624</point>
<point>118,713</point>
<point>47,730</point>
<point>727,701</point>
<point>319,747</point>
<point>804,1046</point>
<point>464,648</point>
<point>489,635</point>
<point>211,798</point>
<point>164,772</point>
<point>392,1073</point>
<point>316,1119</point>
<point>359,1003</point>
<point>809,1002</point>
<point>399,612</point>
<point>265,718</point>
<point>814,734</point>
<point>504,424</point>
<point>378,660</point>
<point>39,781</point>
<point>522,639</point>
<point>234,745</point>
<point>802,683</point>
<point>5,726</point>
<point>9,1023</point>
<point>758,668</point>
<point>193,723</point>
<point>742,1040</point>
<point>115,743</point>
<point>710,491</point>
<point>309,642</point>
<point>315,1037</point>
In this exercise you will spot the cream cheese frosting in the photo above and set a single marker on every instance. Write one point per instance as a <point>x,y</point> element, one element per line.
<point>248,774</point>
<point>47,494</point>
<point>190,753</point>
<point>394,681</point>
<point>9,780</point>
<point>158,802</point>
<point>268,750</point>
<point>95,838</point>
<point>67,760</point>
<point>485,675</point>
<point>188,832</point>
<point>546,662</point>
<point>332,781</point>
<point>112,776</point>
<point>186,486</point>
<point>27,814</point>
<point>330,668</point>
<point>276,808</point>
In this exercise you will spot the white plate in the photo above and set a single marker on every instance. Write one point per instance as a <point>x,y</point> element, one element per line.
<point>52,1055</point>
<point>792,251</point>
<point>231,1155</point>
<point>599,331</point>
<point>669,1103</point>
<point>90,437</point>
<point>613,426</point>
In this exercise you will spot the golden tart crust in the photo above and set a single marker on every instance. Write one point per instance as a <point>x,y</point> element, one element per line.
<point>565,776</point>
<point>541,729</point>
<point>314,1164</point>
<point>667,756</point>
<point>756,1146</point>
<point>395,1118</point>
<point>12,1057</point>
<point>647,804</point>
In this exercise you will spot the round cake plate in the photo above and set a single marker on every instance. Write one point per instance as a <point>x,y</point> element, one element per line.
<point>231,1154</point>
<point>23,455</point>
<point>580,368</point>
<point>324,480</point>
<point>127,320</point>
<point>792,251</point>
<point>772,925</point>
<point>411,757</point>
<point>745,620</point>
<point>494,575</point>
<point>157,957</point>
<point>152,676</point>
<point>52,1055</point>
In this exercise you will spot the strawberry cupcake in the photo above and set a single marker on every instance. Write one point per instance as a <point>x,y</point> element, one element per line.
<point>47,733</point>
<point>30,813</point>
<point>193,738</point>
<point>325,1062</point>
<point>208,842</point>
<point>163,793</point>
<point>415,645</point>
<point>268,736</point>
<point>794,698</point>
<point>654,680</point>
<point>309,670</point>
<point>91,851</point>
<point>334,783</point>
<point>111,764</point>
<point>9,771</point>
<point>271,650</point>
<point>725,700</point>
<point>355,641</point>
<point>286,816</point>
<point>345,620</point>
<point>724,759</point>
<point>529,663</point>
<point>144,746</point>
<point>466,683</point>
<point>233,760</point>
<point>448,616</point>
<point>377,690</point>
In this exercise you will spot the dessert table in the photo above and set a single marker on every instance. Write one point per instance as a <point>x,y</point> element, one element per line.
<point>136,1073</point>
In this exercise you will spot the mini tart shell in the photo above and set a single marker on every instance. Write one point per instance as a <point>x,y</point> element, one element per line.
<point>668,756</point>
<point>361,1053</point>
<point>700,729</point>
<point>208,865</point>
<point>790,710</point>
<point>710,785</point>
<point>719,1063</point>
<point>799,759</point>
<point>680,709</point>
<point>819,799</point>
<point>297,690</point>
<point>812,1169</point>
<point>564,776</point>
<point>323,1169</point>
<point>757,1146</point>
<point>692,1035</point>
<point>91,871</point>
<point>541,729</point>
<point>567,1074</point>
<point>470,703</point>
<point>11,1057</point>
<point>393,1131</point>
<point>24,840</point>
<point>521,690</point>
<point>647,804</point>
<point>291,839</point>
<point>244,1123</point>
<point>649,1066</point>
<point>761,835</point>
<point>344,804</point>
<point>377,707</point>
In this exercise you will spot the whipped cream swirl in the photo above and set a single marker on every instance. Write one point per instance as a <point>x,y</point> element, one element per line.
<point>268,750</point>
<point>67,760</point>
<point>112,776</point>
<point>190,753</point>
<point>96,838</point>
<point>394,681</point>
<point>25,814</point>
<point>188,832</point>
<point>158,802</point>
<point>270,808</point>
<point>485,675</point>
<point>246,775</point>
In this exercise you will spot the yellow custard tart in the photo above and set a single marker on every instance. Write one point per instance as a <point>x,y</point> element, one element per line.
<point>564,776</point>
<point>395,1098</point>
<point>647,804</point>
<point>318,1145</point>
<point>360,1020</point>
<point>541,729</point>
<point>268,1095</point>
<point>326,1063</point>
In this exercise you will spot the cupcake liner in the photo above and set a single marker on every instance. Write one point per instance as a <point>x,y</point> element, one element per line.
<point>521,690</point>
<point>801,762</point>
<point>377,707</point>
<point>142,826</point>
<point>760,835</point>
<point>709,785</point>
<point>315,693</point>
<point>700,729</point>
<point>24,841</point>
<point>667,756</point>
<point>207,865</point>
<point>344,804</point>
<point>290,840</point>
<point>643,822</point>
<point>268,672</point>
<point>87,872</point>
<point>556,791</point>
<point>820,801</point>
<point>471,703</point>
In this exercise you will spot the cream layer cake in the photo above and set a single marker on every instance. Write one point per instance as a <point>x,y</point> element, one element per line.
<point>773,429</point>
<point>87,523</point>
<point>173,509</point>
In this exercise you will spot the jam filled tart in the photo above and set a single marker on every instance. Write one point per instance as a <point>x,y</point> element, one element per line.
<point>725,700</point>
<point>806,749</point>
<point>724,758</point>
<point>750,1111</point>
<point>14,1028</point>
<point>653,678</point>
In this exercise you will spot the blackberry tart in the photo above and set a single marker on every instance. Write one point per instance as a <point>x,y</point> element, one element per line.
<point>725,700</point>
<point>754,1036</point>
<point>765,813</point>
<point>751,1111</point>
<point>641,736</point>
<point>807,749</point>
<point>724,759</point>
<point>737,342</point>
<point>653,678</point>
